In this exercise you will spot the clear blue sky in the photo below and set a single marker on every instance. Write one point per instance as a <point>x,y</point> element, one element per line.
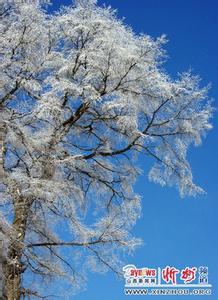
<point>177,232</point>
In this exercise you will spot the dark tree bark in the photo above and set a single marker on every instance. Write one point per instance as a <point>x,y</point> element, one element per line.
<point>12,266</point>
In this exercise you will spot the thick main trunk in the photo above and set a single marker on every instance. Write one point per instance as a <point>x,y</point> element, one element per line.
<point>12,289</point>
<point>13,267</point>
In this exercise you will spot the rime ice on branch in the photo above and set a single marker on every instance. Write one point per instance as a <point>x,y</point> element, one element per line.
<point>2,138</point>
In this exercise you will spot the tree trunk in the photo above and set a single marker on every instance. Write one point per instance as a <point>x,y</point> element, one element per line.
<point>13,267</point>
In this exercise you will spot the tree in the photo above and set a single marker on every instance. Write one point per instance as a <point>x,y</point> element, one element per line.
<point>81,96</point>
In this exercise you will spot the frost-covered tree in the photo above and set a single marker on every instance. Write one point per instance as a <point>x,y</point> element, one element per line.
<point>81,95</point>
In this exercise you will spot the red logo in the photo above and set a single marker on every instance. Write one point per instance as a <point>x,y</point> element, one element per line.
<point>188,274</point>
<point>169,274</point>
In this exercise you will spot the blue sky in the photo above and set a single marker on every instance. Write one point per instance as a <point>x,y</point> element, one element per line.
<point>177,232</point>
